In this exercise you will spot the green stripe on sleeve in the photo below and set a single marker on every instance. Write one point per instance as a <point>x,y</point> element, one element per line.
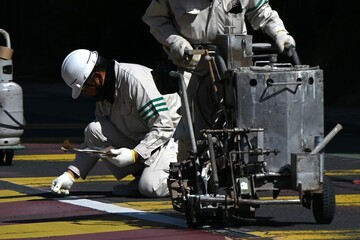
<point>152,108</point>
<point>258,5</point>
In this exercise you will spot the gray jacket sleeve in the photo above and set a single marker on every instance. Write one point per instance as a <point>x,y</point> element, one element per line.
<point>158,18</point>
<point>262,16</point>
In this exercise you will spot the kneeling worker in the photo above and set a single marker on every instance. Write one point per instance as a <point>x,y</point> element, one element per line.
<point>131,116</point>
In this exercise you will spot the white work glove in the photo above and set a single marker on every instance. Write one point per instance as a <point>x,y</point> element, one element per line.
<point>178,56</point>
<point>124,157</point>
<point>282,39</point>
<point>62,184</point>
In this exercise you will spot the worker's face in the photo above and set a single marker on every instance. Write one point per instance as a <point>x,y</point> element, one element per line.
<point>93,86</point>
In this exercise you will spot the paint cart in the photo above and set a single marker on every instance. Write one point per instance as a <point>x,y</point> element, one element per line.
<point>271,138</point>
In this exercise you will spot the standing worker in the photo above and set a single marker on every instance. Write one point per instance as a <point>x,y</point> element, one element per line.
<point>131,116</point>
<point>182,25</point>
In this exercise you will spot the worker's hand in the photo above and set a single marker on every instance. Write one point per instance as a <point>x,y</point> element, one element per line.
<point>282,39</point>
<point>62,184</point>
<point>123,157</point>
<point>180,58</point>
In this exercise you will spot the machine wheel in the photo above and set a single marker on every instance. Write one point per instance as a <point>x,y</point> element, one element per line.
<point>196,218</point>
<point>2,155</point>
<point>9,154</point>
<point>6,157</point>
<point>193,217</point>
<point>323,204</point>
<point>243,215</point>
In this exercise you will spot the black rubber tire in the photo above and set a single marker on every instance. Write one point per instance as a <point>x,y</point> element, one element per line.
<point>2,156</point>
<point>9,154</point>
<point>194,219</point>
<point>323,204</point>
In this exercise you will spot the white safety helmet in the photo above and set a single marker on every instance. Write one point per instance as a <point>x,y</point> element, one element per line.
<point>76,68</point>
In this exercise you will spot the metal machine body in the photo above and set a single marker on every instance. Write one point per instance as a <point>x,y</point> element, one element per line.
<point>287,102</point>
<point>273,124</point>
<point>11,106</point>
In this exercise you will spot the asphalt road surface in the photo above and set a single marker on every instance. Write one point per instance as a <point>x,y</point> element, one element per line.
<point>29,211</point>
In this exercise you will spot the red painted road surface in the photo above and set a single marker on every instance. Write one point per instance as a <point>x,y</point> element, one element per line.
<point>29,211</point>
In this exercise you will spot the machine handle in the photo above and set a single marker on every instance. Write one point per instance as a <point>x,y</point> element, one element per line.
<point>327,139</point>
<point>271,46</point>
<point>294,54</point>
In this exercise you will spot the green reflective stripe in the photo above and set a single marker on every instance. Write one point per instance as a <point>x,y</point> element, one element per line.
<point>160,104</point>
<point>152,108</point>
<point>153,115</point>
<point>258,5</point>
<point>151,102</point>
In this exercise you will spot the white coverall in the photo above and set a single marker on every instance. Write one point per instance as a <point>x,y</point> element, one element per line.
<point>141,119</point>
<point>199,22</point>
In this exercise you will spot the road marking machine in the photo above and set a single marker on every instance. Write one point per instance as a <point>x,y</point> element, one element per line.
<point>271,140</point>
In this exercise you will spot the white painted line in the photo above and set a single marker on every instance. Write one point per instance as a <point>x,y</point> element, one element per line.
<point>110,208</point>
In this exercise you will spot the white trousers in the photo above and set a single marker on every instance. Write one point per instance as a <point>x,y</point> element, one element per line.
<point>102,133</point>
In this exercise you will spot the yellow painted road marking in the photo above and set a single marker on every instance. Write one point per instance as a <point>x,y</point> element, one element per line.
<point>46,181</point>
<point>152,206</point>
<point>310,234</point>
<point>45,157</point>
<point>13,196</point>
<point>70,157</point>
<point>87,225</point>
<point>347,199</point>
<point>341,199</point>
<point>117,223</point>
<point>342,172</point>
<point>73,226</point>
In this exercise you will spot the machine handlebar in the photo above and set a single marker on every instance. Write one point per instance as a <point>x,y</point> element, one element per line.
<point>256,46</point>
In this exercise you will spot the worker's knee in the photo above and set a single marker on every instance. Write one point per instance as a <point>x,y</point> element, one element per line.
<point>92,129</point>
<point>156,187</point>
<point>93,135</point>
